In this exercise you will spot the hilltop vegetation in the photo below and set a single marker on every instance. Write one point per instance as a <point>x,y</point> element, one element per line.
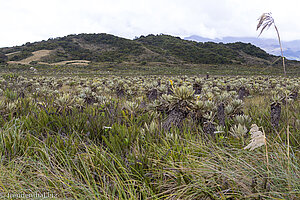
<point>92,47</point>
<point>152,48</point>
<point>3,58</point>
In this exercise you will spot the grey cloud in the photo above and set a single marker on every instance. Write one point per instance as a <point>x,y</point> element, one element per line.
<point>34,20</point>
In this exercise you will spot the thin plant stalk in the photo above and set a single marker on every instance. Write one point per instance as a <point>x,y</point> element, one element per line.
<point>288,155</point>
<point>288,138</point>
<point>266,20</point>
<point>267,157</point>
<point>267,161</point>
<point>283,63</point>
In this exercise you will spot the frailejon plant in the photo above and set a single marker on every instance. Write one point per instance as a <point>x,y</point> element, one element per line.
<point>179,107</point>
<point>266,20</point>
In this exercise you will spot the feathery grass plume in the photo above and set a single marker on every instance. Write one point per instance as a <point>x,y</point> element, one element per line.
<point>258,138</point>
<point>266,20</point>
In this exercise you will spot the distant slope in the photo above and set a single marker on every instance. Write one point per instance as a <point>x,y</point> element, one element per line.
<point>291,48</point>
<point>187,51</point>
<point>152,48</point>
<point>207,53</point>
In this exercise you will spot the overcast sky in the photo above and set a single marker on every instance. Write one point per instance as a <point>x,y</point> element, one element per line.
<point>35,20</point>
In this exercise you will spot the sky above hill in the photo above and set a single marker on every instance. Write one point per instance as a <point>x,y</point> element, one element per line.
<point>35,20</point>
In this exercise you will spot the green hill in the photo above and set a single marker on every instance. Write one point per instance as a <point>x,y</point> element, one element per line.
<point>3,58</point>
<point>152,48</point>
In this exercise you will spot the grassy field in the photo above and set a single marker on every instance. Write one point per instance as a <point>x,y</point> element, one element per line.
<point>151,68</point>
<point>104,133</point>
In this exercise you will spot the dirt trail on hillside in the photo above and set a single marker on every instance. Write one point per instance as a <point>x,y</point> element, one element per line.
<point>37,55</point>
<point>73,62</point>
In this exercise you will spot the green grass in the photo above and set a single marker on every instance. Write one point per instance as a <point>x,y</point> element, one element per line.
<point>111,151</point>
<point>133,164</point>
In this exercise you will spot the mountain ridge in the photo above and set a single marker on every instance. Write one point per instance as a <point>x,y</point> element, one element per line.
<point>102,47</point>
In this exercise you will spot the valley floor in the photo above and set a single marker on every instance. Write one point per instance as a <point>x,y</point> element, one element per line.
<point>104,132</point>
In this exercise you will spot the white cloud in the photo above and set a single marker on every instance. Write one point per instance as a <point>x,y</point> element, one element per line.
<point>34,20</point>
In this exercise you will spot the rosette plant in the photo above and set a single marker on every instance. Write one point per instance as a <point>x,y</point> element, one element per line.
<point>180,104</point>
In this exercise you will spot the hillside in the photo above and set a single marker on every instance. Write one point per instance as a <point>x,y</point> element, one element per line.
<point>86,48</point>
<point>291,49</point>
